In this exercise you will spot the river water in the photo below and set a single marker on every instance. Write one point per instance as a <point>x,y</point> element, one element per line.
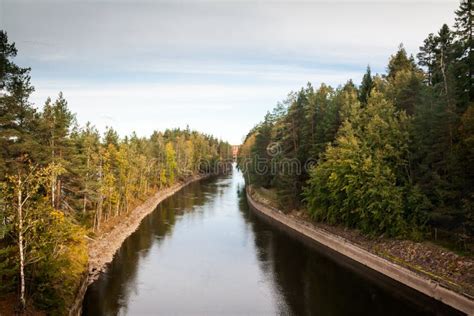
<point>204,252</point>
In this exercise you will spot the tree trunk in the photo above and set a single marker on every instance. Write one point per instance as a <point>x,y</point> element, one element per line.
<point>84,204</point>
<point>86,186</point>
<point>53,190</point>
<point>58,192</point>
<point>53,182</point>
<point>445,79</point>
<point>20,246</point>
<point>99,213</point>
<point>470,52</point>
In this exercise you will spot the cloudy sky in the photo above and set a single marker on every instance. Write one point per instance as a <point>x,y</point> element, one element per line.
<point>216,66</point>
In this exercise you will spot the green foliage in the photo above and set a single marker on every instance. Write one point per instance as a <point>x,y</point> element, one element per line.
<point>72,180</point>
<point>358,180</point>
<point>18,119</point>
<point>279,151</point>
<point>170,163</point>
<point>404,82</point>
<point>467,165</point>
<point>366,87</point>
<point>260,153</point>
<point>8,267</point>
<point>400,62</point>
<point>402,157</point>
<point>64,262</point>
<point>464,30</point>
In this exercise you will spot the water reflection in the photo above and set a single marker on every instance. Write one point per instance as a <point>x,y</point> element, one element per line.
<point>110,294</point>
<point>204,252</point>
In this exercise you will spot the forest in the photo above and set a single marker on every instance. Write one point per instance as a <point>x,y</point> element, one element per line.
<point>61,182</point>
<point>393,156</point>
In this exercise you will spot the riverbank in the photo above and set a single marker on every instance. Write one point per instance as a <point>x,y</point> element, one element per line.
<point>348,243</point>
<point>103,248</point>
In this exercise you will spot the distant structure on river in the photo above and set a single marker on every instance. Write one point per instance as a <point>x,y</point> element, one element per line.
<point>235,151</point>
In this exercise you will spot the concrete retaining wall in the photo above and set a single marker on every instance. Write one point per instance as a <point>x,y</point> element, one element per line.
<point>381,265</point>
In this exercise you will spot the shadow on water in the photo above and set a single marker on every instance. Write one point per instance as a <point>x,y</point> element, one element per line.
<point>203,252</point>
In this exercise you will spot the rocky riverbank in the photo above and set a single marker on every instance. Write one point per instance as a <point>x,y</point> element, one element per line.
<point>103,248</point>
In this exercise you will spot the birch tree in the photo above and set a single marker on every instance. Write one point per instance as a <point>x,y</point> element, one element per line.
<point>22,198</point>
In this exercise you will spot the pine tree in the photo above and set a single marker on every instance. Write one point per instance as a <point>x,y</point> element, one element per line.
<point>83,189</point>
<point>18,120</point>
<point>464,30</point>
<point>400,62</point>
<point>362,180</point>
<point>56,122</point>
<point>294,146</point>
<point>262,153</point>
<point>444,58</point>
<point>427,57</point>
<point>404,81</point>
<point>467,161</point>
<point>366,86</point>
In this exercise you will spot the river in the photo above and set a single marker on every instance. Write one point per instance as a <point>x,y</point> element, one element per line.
<point>203,252</point>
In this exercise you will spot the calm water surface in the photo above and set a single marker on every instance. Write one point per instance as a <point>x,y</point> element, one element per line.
<point>203,252</point>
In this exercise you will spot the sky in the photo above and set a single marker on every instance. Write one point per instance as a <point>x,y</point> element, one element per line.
<point>217,66</point>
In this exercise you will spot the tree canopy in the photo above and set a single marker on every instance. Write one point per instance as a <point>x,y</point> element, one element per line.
<point>60,182</point>
<point>392,156</point>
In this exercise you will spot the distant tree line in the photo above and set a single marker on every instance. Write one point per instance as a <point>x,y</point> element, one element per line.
<point>60,181</point>
<point>392,156</point>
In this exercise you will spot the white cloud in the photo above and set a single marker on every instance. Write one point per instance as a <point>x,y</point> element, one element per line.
<point>217,65</point>
<point>217,109</point>
<point>329,32</point>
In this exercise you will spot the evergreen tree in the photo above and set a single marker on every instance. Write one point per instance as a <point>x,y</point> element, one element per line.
<point>294,146</point>
<point>427,57</point>
<point>366,86</point>
<point>324,122</point>
<point>400,62</point>
<point>467,166</point>
<point>361,180</point>
<point>404,81</point>
<point>444,57</point>
<point>262,153</point>
<point>56,122</point>
<point>84,166</point>
<point>54,174</point>
<point>18,120</point>
<point>464,30</point>
<point>414,139</point>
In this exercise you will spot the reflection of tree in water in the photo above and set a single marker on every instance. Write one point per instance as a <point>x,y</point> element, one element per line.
<point>109,294</point>
<point>314,284</point>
